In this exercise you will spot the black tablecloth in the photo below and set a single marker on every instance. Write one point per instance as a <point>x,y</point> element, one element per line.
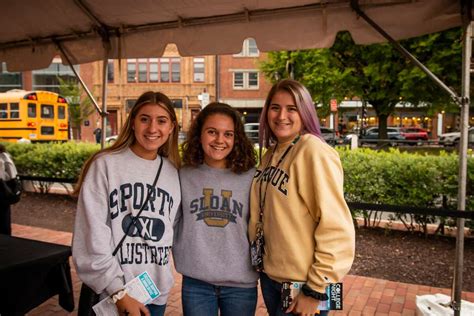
<point>31,272</point>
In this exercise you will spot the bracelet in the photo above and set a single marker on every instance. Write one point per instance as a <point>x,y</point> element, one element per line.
<point>119,295</point>
<point>307,291</point>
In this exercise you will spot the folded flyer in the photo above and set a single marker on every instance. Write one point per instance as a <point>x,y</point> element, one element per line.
<point>142,288</point>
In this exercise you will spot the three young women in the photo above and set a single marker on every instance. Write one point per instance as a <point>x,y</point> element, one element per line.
<point>298,211</point>
<point>211,245</point>
<point>114,185</point>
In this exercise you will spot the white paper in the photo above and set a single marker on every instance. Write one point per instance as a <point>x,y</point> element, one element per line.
<point>142,288</point>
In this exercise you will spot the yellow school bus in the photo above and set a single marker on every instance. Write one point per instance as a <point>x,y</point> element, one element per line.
<point>34,115</point>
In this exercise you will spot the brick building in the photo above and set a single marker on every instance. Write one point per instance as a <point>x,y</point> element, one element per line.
<point>182,79</point>
<point>241,84</point>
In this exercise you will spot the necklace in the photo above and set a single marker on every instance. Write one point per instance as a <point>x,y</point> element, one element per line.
<point>262,199</point>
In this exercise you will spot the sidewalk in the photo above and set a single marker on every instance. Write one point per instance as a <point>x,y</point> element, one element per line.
<point>362,295</point>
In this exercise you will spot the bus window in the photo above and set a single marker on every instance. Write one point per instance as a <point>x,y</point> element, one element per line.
<point>3,111</point>
<point>31,110</point>
<point>47,111</point>
<point>14,110</point>
<point>61,112</point>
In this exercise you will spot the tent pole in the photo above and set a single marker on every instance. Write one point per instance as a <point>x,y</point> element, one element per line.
<point>404,52</point>
<point>89,94</point>
<point>104,113</point>
<point>462,176</point>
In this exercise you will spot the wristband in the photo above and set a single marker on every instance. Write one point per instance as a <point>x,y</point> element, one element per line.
<point>119,295</point>
<point>307,291</point>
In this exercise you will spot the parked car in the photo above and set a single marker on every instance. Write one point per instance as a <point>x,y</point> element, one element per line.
<point>251,130</point>
<point>371,135</point>
<point>329,135</point>
<point>414,133</point>
<point>111,139</point>
<point>452,139</point>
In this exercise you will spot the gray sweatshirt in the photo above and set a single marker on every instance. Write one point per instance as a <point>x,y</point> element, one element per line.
<point>115,187</point>
<point>211,242</point>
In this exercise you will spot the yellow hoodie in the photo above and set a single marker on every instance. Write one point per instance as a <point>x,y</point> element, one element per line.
<point>308,229</point>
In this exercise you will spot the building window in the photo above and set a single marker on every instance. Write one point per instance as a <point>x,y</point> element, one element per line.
<point>175,70</point>
<point>47,79</point>
<point>245,80</point>
<point>198,69</point>
<point>131,70</point>
<point>249,49</point>
<point>129,104</point>
<point>9,80</point>
<point>164,69</point>
<point>110,71</point>
<point>142,70</point>
<point>177,103</point>
<point>154,70</point>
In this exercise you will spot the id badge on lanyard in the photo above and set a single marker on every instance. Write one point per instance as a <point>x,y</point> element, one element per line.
<point>257,249</point>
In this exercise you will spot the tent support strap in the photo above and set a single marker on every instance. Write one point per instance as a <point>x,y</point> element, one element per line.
<point>84,86</point>
<point>355,6</point>
<point>105,64</point>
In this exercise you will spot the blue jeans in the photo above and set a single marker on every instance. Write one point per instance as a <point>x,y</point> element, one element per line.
<point>204,299</point>
<point>156,310</point>
<point>271,291</point>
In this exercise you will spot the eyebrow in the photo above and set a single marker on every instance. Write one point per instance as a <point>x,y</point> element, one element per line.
<point>160,116</point>
<point>228,130</point>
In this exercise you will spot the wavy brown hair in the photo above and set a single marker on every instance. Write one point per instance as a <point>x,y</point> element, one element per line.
<point>242,157</point>
<point>127,136</point>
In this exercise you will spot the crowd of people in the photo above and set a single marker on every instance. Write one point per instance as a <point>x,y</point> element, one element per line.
<point>228,223</point>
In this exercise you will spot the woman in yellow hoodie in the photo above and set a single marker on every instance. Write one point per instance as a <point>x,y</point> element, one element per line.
<point>300,226</point>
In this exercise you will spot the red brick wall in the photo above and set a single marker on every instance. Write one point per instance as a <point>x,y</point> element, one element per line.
<point>229,62</point>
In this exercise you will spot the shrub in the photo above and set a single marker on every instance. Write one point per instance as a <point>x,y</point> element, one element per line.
<point>404,179</point>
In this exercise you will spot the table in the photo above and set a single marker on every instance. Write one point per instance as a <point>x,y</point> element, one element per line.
<point>31,272</point>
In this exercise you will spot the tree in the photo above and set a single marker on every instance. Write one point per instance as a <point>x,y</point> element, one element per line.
<point>377,74</point>
<point>79,110</point>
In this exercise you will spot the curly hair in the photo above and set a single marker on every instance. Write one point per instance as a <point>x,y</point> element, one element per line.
<point>242,157</point>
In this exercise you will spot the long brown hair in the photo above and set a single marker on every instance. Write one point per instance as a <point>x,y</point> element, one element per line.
<point>242,157</point>
<point>127,136</point>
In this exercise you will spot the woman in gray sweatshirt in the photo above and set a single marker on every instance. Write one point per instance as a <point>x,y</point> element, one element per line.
<point>211,247</point>
<point>113,187</point>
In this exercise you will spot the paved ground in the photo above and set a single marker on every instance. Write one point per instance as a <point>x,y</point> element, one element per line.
<point>362,295</point>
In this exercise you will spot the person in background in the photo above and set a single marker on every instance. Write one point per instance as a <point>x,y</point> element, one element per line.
<point>7,172</point>
<point>298,212</point>
<point>112,187</point>
<point>211,245</point>
<point>98,135</point>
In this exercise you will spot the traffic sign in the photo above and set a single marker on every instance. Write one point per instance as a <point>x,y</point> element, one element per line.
<point>333,104</point>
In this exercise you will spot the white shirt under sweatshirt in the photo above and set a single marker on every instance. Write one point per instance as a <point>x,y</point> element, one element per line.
<point>114,188</point>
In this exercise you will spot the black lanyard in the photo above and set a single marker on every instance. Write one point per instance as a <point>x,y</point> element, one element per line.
<point>135,218</point>
<point>262,200</point>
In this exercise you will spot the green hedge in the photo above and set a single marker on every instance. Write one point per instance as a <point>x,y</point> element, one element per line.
<point>370,176</point>
<point>405,179</point>
<point>58,160</point>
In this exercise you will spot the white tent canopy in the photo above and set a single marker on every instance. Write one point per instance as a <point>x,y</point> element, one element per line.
<point>30,29</point>
<point>33,32</point>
